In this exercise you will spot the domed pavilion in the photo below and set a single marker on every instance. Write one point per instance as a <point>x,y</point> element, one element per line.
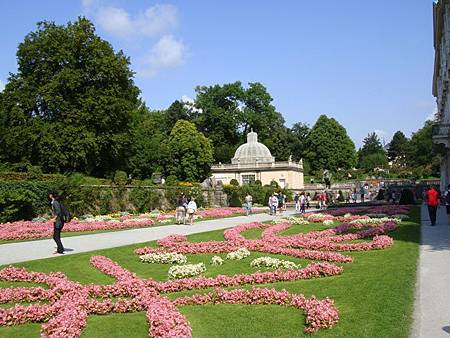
<point>253,161</point>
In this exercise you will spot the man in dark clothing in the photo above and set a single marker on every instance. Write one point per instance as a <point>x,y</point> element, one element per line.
<point>432,197</point>
<point>58,223</point>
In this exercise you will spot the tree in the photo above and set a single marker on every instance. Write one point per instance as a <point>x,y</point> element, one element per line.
<point>188,154</point>
<point>227,113</point>
<point>372,154</point>
<point>69,106</point>
<point>176,111</point>
<point>148,136</point>
<point>420,151</point>
<point>329,147</point>
<point>298,136</point>
<point>398,149</point>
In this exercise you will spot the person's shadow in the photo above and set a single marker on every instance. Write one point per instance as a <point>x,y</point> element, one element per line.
<point>446,329</point>
<point>68,250</point>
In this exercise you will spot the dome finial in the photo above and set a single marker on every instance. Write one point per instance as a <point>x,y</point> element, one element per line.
<point>252,137</point>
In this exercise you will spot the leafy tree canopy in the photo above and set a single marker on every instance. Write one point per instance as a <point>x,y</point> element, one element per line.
<point>69,106</point>
<point>329,147</point>
<point>398,148</point>
<point>188,153</point>
<point>226,113</point>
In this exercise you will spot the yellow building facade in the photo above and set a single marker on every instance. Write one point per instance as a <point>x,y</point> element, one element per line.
<point>253,161</point>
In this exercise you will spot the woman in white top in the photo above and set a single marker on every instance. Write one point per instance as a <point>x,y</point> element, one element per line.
<point>191,209</point>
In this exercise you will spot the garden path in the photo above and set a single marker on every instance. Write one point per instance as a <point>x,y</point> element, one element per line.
<point>432,304</point>
<point>38,249</point>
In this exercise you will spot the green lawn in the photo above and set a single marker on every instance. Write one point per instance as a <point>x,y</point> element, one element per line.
<point>374,295</point>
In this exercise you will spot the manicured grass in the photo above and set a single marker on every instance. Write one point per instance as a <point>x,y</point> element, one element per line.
<point>374,295</point>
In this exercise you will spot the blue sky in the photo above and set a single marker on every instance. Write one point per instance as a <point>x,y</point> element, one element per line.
<point>366,63</point>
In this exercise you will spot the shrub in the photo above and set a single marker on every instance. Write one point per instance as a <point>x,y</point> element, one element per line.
<point>234,200</point>
<point>120,178</point>
<point>145,199</point>
<point>234,182</point>
<point>16,204</point>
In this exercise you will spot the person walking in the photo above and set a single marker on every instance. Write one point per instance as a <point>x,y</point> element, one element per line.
<point>281,202</point>
<point>191,210</point>
<point>248,204</point>
<point>432,197</point>
<point>302,203</point>
<point>181,209</point>
<point>308,200</point>
<point>274,204</point>
<point>297,201</point>
<point>58,223</point>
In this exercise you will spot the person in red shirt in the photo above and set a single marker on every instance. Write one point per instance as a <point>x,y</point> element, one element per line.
<point>432,197</point>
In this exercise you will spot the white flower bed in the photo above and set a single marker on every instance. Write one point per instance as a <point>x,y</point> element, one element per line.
<point>328,222</point>
<point>375,220</point>
<point>318,215</point>
<point>270,262</point>
<point>188,270</point>
<point>401,216</point>
<point>377,215</point>
<point>216,260</point>
<point>238,254</point>
<point>164,258</point>
<point>348,215</point>
<point>297,220</point>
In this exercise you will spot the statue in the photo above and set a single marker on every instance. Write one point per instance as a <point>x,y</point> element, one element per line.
<point>327,178</point>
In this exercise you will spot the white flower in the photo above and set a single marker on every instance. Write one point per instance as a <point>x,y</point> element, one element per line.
<point>348,215</point>
<point>270,262</point>
<point>238,254</point>
<point>328,222</point>
<point>216,260</point>
<point>164,258</point>
<point>377,221</point>
<point>188,270</point>
<point>297,220</point>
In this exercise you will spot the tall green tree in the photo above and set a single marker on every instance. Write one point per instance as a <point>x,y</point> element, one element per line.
<point>70,104</point>
<point>147,143</point>
<point>188,153</point>
<point>420,152</point>
<point>329,146</point>
<point>372,154</point>
<point>398,149</point>
<point>226,113</point>
<point>298,140</point>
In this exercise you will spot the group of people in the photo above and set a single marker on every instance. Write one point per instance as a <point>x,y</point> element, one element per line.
<point>277,203</point>
<point>302,201</point>
<point>185,208</point>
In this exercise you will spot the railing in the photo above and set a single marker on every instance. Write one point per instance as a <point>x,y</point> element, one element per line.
<point>440,130</point>
<point>281,164</point>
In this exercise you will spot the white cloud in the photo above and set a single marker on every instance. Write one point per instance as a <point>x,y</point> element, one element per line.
<point>87,3</point>
<point>2,85</point>
<point>187,99</point>
<point>166,53</point>
<point>432,116</point>
<point>153,21</point>
<point>157,20</point>
<point>115,21</point>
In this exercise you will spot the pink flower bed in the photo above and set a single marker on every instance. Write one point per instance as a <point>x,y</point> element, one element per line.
<point>68,304</point>
<point>319,313</point>
<point>71,303</point>
<point>25,230</point>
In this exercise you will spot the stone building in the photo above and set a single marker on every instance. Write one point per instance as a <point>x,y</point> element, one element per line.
<point>441,78</point>
<point>253,161</point>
